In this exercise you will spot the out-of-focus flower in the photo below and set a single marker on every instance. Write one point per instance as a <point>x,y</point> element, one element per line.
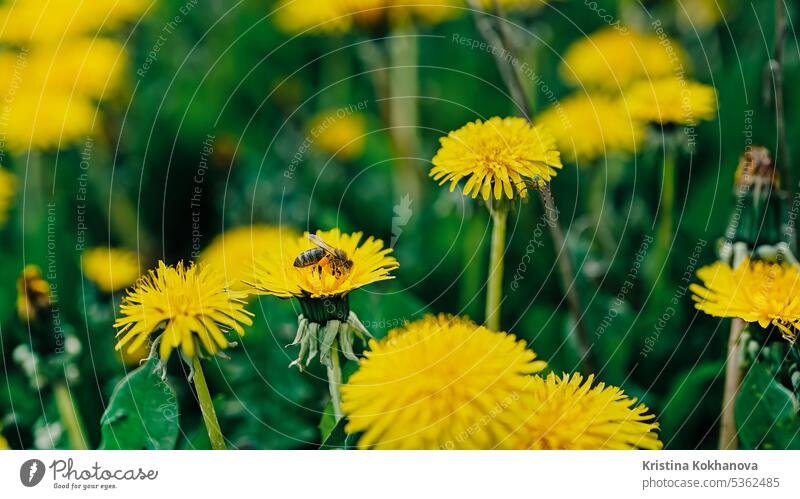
<point>442,382</point>
<point>496,157</point>
<point>591,126</point>
<point>190,305</point>
<point>3,442</point>
<point>699,15</point>
<point>33,295</point>
<point>47,120</point>
<point>50,90</point>
<point>134,358</point>
<point>8,185</point>
<point>567,412</point>
<point>515,5</point>
<point>339,133</point>
<point>111,269</point>
<point>332,16</point>
<point>54,67</point>
<point>276,273</point>
<point>298,16</point>
<point>755,291</point>
<point>672,101</point>
<point>614,58</point>
<point>43,21</point>
<point>84,66</point>
<point>235,252</point>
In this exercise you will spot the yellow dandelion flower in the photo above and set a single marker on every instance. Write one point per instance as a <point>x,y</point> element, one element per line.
<point>614,58</point>
<point>110,269</point>
<point>587,127</point>
<point>430,11</point>
<point>8,184</point>
<point>567,412</point>
<point>297,16</point>
<point>190,305</point>
<point>276,273</point>
<point>234,252</point>
<point>92,67</point>
<point>336,16</point>
<point>439,383</point>
<point>755,291</point>
<point>339,133</point>
<point>496,157</point>
<point>3,442</point>
<point>515,5</point>
<point>26,21</point>
<point>46,120</point>
<point>672,101</point>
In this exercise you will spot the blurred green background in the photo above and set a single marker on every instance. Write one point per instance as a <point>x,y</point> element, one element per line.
<point>227,76</point>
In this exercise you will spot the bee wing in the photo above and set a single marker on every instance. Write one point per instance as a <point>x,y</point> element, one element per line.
<point>322,244</point>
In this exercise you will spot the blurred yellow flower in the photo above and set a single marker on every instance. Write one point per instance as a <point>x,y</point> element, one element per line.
<point>47,119</point>
<point>298,16</point>
<point>339,133</point>
<point>612,59</point>
<point>134,358</point>
<point>515,5</point>
<point>755,291</point>
<point>235,252</point>
<point>26,21</point>
<point>8,187</point>
<point>110,269</point>
<point>33,295</point>
<point>496,157</point>
<point>699,14</point>
<point>54,66</point>
<point>442,382</point>
<point>190,305</point>
<point>672,101</point>
<point>567,412</point>
<point>590,126</point>
<point>84,66</point>
<point>332,16</point>
<point>3,442</point>
<point>276,273</point>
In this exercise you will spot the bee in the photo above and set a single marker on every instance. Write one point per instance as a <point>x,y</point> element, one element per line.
<point>337,259</point>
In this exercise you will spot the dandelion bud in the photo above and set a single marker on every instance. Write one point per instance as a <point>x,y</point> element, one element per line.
<point>758,212</point>
<point>33,295</point>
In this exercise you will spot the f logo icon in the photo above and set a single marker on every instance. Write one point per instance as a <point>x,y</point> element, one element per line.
<point>31,472</point>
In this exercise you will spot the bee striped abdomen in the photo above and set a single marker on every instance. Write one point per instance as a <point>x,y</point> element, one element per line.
<point>309,257</point>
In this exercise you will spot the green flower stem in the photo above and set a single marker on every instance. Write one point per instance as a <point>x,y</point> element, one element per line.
<point>207,407</point>
<point>516,86</point>
<point>494,292</point>
<point>70,416</point>
<point>335,380</point>
<point>664,228</point>
<point>728,439</point>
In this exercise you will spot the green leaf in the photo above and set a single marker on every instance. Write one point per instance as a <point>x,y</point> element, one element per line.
<point>142,413</point>
<point>328,422</point>
<point>339,438</point>
<point>693,395</point>
<point>766,412</point>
